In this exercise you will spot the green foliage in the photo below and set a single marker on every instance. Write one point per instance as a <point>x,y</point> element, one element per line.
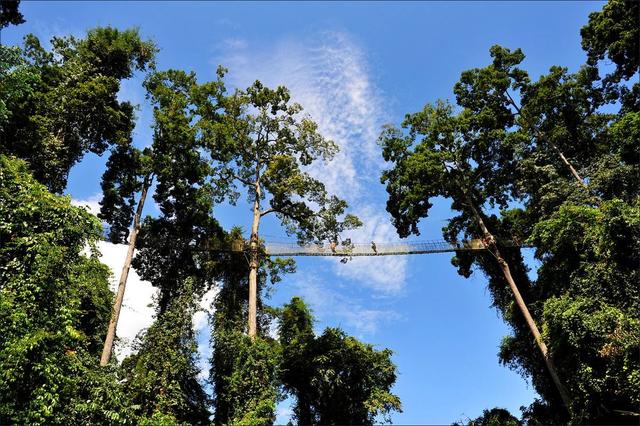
<point>181,109</point>
<point>263,146</point>
<point>54,305</point>
<point>162,377</point>
<point>244,375</point>
<point>57,105</point>
<point>171,247</point>
<point>335,378</point>
<point>100,398</point>
<point>122,180</point>
<point>9,13</point>
<point>495,152</point>
<point>173,254</point>
<point>246,378</point>
<point>614,32</point>
<point>494,417</point>
<point>590,268</point>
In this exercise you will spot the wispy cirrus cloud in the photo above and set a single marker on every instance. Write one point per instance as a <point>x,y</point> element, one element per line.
<point>327,302</point>
<point>328,74</point>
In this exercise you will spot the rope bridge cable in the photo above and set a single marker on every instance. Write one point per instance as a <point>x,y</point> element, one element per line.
<point>293,249</point>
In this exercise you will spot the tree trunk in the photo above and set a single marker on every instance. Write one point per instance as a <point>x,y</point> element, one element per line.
<point>569,166</point>
<point>540,135</point>
<point>534,328</point>
<point>117,304</point>
<point>253,266</point>
<point>490,244</point>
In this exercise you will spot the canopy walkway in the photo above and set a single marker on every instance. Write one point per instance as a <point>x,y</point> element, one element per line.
<point>376,249</point>
<point>292,249</point>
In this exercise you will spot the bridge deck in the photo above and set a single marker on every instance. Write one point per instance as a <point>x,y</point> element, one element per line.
<point>380,249</point>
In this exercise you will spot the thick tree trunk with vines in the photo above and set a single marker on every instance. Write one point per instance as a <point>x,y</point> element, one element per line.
<point>117,304</point>
<point>490,243</point>
<point>253,265</point>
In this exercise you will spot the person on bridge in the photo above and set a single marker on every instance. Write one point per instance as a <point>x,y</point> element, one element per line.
<point>374,248</point>
<point>333,246</point>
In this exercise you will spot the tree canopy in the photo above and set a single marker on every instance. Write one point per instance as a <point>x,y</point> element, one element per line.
<point>54,304</point>
<point>335,378</point>
<point>9,13</point>
<point>58,105</point>
<point>545,162</point>
<point>548,162</point>
<point>263,145</point>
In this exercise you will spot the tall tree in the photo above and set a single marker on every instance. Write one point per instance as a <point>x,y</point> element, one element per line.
<point>264,148</point>
<point>244,375</point>
<point>585,294</point>
<point>172,254</point>
<point>335,378</point>
<point>130,172</point>
<point>57,105</point>
<point>171,244</point>
<point>162,376</point>
<point>445,155</point>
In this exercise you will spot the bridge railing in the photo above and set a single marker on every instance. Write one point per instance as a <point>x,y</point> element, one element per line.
<point>371,249</point>
<point>359,249</point>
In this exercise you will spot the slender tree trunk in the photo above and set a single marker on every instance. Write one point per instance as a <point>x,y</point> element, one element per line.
<point>117,304</point>
<point>491,245</point>
<point>540,136</point>
<point>569,166</point>
<point>253,266</point>
<point>534,328</point>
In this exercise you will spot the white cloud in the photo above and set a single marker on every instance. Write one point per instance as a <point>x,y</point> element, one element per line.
<point>384,274</point>
<point>45,30</point>
<point>91,204</point>
<point>203,330</point>
<point>284,412</point>
<point>201,317</point>
<point>329,76</point>
<point>326,302</point>
<point>137,312</point>
<point>233,43</point>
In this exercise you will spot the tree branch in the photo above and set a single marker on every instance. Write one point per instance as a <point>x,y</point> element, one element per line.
<point>539,135</point>
<point>243,181</point>
<point>513,102</point>
<point>266,212</point>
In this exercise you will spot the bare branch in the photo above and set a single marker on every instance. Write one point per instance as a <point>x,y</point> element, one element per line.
<point>513,102</point>
<point>243,181</point>
<point>266,212</point>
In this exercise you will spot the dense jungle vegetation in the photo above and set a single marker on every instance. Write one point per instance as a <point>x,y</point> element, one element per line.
<point>551,162</point>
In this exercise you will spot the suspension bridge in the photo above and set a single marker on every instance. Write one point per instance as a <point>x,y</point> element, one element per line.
<point>292,249</point>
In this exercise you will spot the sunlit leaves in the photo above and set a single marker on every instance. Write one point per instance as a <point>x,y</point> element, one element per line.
<point>58,105</point>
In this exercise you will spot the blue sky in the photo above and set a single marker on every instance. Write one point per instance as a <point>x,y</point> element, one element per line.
<point>354,66</point>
